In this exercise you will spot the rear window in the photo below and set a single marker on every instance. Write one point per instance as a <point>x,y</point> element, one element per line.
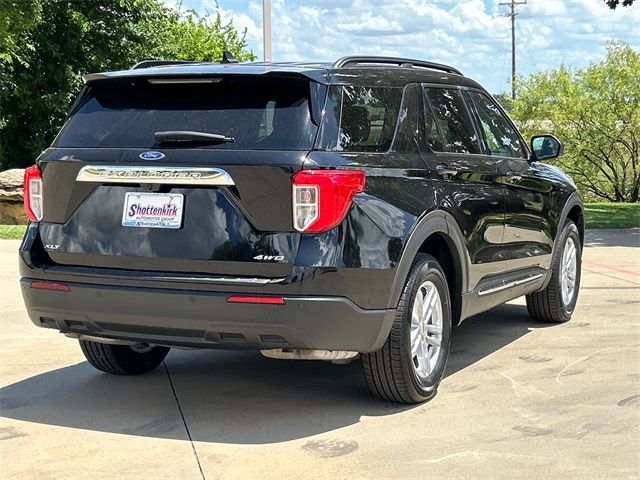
<point>259,113</point>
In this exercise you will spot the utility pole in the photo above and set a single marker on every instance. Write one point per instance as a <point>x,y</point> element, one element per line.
<point>266,29</point>
<point>512,4</point>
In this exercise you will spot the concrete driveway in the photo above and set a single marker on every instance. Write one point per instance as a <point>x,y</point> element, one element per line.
<point>520,400</point>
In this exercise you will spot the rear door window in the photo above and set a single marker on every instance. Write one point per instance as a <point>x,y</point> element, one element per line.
<point>259,113</point>
<point>452,118</point>
<point>431,131</point>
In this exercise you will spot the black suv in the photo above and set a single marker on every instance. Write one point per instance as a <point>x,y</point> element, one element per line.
<point>308,210</point>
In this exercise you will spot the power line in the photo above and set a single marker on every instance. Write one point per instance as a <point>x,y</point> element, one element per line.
<point>512,5</point>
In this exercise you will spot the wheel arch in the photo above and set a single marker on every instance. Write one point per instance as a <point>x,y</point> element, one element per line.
<point>576,213</point>
<point>573,210</point>
<point>438,235</point>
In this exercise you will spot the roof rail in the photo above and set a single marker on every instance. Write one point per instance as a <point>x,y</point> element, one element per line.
<point>400,62</point>
<point>159,63</point>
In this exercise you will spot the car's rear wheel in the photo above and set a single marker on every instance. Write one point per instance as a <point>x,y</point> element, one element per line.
<point>123,359</point>
<point>410,365</point>
<point>556,303</point>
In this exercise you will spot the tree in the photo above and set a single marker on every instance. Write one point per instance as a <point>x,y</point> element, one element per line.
<point>596,112</point>
<point>16,19</point>
<point>46,45</point>
<point>185,35</point>
<point>505,100</point>
<point>613,4</point>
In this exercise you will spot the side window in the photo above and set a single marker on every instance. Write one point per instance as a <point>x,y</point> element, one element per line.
<point>431,132</point>
<point>453,120</point>
<point>501,137</point>
<point>407,131</point>
<point>368,118</point>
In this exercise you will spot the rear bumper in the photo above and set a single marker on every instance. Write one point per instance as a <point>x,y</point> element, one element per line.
<point>205,319</point>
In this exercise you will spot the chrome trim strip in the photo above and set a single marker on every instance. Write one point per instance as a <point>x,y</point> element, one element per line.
<point>228,280</point>
<point>146,275</point>
<point>158,175</point>
<point>496,287</point>
<point>530,278</point>
<point>502,285</point>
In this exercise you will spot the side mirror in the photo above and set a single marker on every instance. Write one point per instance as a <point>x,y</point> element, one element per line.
<point>545,147</point>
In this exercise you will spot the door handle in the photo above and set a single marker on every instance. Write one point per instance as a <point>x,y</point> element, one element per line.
<point>444,169</point>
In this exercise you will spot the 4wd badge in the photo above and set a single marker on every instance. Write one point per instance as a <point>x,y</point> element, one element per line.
<point>269,258</point>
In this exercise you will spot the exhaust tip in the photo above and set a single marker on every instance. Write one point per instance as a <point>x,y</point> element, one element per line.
<point>336,356</point>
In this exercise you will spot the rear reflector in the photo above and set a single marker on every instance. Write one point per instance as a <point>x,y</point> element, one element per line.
<point>59,287</point>
<point>33,193</point>
<point>251,299</point>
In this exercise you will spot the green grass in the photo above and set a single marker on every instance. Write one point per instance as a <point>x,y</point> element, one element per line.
<point>12,232</point>
<point>612,215</point>
<point>598,215</point>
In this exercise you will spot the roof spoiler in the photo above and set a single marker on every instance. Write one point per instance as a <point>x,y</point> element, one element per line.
<point>160,63</point>
<point>227,57</point>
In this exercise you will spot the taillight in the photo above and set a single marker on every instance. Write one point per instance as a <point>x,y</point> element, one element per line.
<point>33,193</point>
<point>321,198</point>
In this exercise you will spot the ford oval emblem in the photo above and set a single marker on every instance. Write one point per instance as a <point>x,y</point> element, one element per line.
<point>151,155</point>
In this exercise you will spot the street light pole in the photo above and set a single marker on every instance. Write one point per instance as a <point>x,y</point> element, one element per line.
<point>512,4</point>
<point>266,29</point>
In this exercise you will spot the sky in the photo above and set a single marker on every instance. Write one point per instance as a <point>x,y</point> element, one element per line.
<point>471,35</point>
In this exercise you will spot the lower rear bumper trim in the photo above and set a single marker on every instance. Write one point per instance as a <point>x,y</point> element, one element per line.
<point>204,319</point>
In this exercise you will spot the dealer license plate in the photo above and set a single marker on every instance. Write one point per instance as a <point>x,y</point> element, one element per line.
<point>153,210</point>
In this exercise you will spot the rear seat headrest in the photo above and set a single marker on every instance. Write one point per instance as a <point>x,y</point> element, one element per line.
<point>355,123</point>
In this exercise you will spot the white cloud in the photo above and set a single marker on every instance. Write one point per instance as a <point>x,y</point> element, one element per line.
<point>473,35</point>
<point>371,24</point>
<point>243,21</point>
<point>548,8</point>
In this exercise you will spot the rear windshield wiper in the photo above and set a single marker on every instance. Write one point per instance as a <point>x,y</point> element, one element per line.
<point>187,136</point>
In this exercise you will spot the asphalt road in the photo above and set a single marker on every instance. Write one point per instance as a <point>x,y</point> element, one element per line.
<point>520,400</point>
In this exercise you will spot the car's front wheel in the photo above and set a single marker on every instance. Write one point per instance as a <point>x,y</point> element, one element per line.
<point>556,303</point>
<point>123,359</point>
<point>410,365</point>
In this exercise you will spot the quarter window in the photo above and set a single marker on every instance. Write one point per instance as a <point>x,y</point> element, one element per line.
<point>502,138</point>
<point>453,121</point>
<point>368,118</point>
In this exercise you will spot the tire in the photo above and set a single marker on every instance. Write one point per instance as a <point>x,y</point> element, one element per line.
<point>552,305</point>
<point>122,359</point>
<point>392,373</point>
